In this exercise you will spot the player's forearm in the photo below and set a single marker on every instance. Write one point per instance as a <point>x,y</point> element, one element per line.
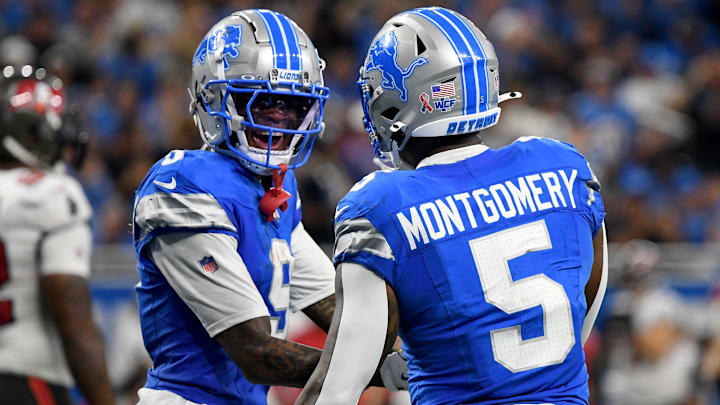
<point>321,312</point>
<point>266,360</point>
<point>68,300</point>
<point>85,354</point>
<point>281,362</point>
<point>354,345</point>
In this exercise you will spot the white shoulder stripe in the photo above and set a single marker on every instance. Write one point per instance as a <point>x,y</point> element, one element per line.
<point>339,211</point>
<point>175,210</point>
<point>360,235</point>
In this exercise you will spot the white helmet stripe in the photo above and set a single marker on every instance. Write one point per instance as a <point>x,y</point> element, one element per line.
<point>294,53</point>
<point>463,53</point>
<point>474,44</point>
<point>276,40</point>
<point>283,35</point>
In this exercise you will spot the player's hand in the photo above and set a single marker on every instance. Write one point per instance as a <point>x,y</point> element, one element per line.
<point>394,371</point>
<point>397,346</point>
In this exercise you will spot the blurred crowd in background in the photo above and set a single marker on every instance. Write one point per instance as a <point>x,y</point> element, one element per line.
<point>633,84</point>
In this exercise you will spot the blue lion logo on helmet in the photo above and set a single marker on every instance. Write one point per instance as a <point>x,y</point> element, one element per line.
<point>231,37</point>
<point>382,56</point>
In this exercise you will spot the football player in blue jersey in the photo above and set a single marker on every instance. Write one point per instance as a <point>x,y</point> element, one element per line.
<point>490,263</point>
<point>222,252</point>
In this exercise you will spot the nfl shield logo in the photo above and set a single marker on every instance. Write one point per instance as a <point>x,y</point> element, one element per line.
<point>208,265</point>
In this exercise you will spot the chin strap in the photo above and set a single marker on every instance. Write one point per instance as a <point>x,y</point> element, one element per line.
<point>275,197</point>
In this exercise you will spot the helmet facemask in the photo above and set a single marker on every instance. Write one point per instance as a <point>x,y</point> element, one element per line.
<point>257,91</point>
<point>266,126</point>
<point>386,149</point>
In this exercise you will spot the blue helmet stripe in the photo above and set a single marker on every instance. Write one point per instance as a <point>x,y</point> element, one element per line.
<point>478,53</point>
<point>292,42</point>
<point>464,56</point>
<point>276,39</point>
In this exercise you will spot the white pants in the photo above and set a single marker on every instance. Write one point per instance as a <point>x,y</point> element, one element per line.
<point>149,396</point>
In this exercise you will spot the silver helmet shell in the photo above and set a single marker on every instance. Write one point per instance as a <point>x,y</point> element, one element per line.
<point>255,53</point>
<point>429,72</point>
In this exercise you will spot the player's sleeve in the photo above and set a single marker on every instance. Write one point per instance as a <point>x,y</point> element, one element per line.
<point>188,208</point>
<point>313,275</point>
<point>66,241</point>
<point>586,185</point>
<point>220,299</point>
<point>358,341</point>
<point>66,251</point>
<point>588,189</point>
<point>591,199</point>
<point>594,307</point>
<point>357,240</point>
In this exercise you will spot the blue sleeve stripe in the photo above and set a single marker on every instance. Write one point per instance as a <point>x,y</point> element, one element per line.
<point>469,79</point>
<point>276,39</point>
<point>292,42</point>
<point>478,53</point>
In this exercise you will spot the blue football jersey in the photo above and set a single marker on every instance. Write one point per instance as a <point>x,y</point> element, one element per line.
<point>203,191</point>
<point>488,256</point>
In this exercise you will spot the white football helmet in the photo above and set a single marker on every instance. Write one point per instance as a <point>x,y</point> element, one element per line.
<point>251,61</point>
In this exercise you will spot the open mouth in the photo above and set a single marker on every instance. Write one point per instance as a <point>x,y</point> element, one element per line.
<point>260,140</point>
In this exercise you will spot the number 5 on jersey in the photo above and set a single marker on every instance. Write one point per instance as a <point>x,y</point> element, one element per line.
<point>492,254</point>
<point>279,297</point>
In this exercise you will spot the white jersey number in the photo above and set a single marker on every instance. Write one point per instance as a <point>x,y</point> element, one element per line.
<point>491,254</point>
<point>6,315</point>
<point>283,261</point>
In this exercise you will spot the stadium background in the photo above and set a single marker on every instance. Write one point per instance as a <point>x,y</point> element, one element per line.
<point>635,85</point>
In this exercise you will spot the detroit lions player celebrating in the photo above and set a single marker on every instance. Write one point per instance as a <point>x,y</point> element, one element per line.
<point>222,252</point>
<point>492,263</point>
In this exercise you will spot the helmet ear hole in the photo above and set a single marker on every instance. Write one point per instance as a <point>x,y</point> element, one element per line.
<point>419,45</point>
<point>390,113</point>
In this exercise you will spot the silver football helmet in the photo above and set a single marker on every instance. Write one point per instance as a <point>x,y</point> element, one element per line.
<point>429,72</point>
<point>251,61</point>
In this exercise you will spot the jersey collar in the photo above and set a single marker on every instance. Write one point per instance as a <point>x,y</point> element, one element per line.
<point>452,156</point>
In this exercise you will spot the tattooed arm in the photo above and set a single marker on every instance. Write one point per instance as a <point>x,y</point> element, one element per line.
<point>266,360</point>
<point>352,355</point>
<point>321,312</point>
<point>230,307</point>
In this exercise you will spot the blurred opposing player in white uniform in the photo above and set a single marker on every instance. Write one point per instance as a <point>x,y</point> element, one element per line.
<point>47,336</point>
